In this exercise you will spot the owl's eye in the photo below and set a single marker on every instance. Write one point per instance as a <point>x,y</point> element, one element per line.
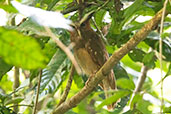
<point>83,25</point>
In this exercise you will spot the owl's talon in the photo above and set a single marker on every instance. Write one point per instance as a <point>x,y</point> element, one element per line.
<point>90,77</point>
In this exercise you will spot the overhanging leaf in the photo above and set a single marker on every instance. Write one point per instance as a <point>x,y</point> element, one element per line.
<point>21,51</point>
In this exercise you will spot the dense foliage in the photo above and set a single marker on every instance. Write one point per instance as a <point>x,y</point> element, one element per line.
<point>26,49</point>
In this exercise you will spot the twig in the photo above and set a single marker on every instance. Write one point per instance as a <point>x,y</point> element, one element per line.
<point>160,58</point>
<point>21,105</point>
<point>37,95</point>
<point>65,49</point>
<point>140,83</point>
<point>16,85</point>
<point>68,86</point>
<point>106,68</point>
<point>141,79</point>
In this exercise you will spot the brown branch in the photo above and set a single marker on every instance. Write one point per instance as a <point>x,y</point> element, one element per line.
<point>37,94</point>
<point>68,86</point>
<point>141,79</point>
<point>105,69</point>
<point>140,83</point>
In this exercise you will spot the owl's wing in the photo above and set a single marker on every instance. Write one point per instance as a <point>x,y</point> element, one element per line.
<point>96,49</point>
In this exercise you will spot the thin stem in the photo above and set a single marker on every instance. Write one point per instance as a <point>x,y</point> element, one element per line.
<point>140,83</point>
<point>21,105</point>
<point>37,95</point>
<point>160,58</point>
<point>15,86</point>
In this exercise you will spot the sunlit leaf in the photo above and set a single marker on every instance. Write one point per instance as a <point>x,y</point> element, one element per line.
<point>128,62</point>
<point>143,106</point>
<point>167,110</point>
<point>8,8</point>
<point>117,95</point>
<point>125,83</point>
<point>21,51</point>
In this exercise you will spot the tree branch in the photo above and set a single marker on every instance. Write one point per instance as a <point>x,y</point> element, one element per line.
<point>140,83</point>
<point>141,79</point>
<point>105,69</point>
<point>68,86</point>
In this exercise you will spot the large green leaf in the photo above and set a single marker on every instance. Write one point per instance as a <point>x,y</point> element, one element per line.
<point>117,95</point>
<point>52,74</point>
<point>21,51</point>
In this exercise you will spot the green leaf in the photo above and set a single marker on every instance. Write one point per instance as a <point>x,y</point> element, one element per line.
<point>125,83</point>
<point>128,62</point>
<point>4,68</point>
<point>149,60</point>
<point>132,9</point>
<point>135,99</point>
<point>143,106</point>
<point>52,4</point>
<point>8,8</point>
<point>167,109</point>
<point>117,95</point>
<point>153,41</point>
<point>78,81</point>
<point>21,51</point>
<point>120,72</point>
<point>52,74</point>
<point>6,84</point>
<point>15,100</point>
<point>136,55</point>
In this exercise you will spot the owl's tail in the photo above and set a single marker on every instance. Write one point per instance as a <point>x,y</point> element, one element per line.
<point>109,84</point>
